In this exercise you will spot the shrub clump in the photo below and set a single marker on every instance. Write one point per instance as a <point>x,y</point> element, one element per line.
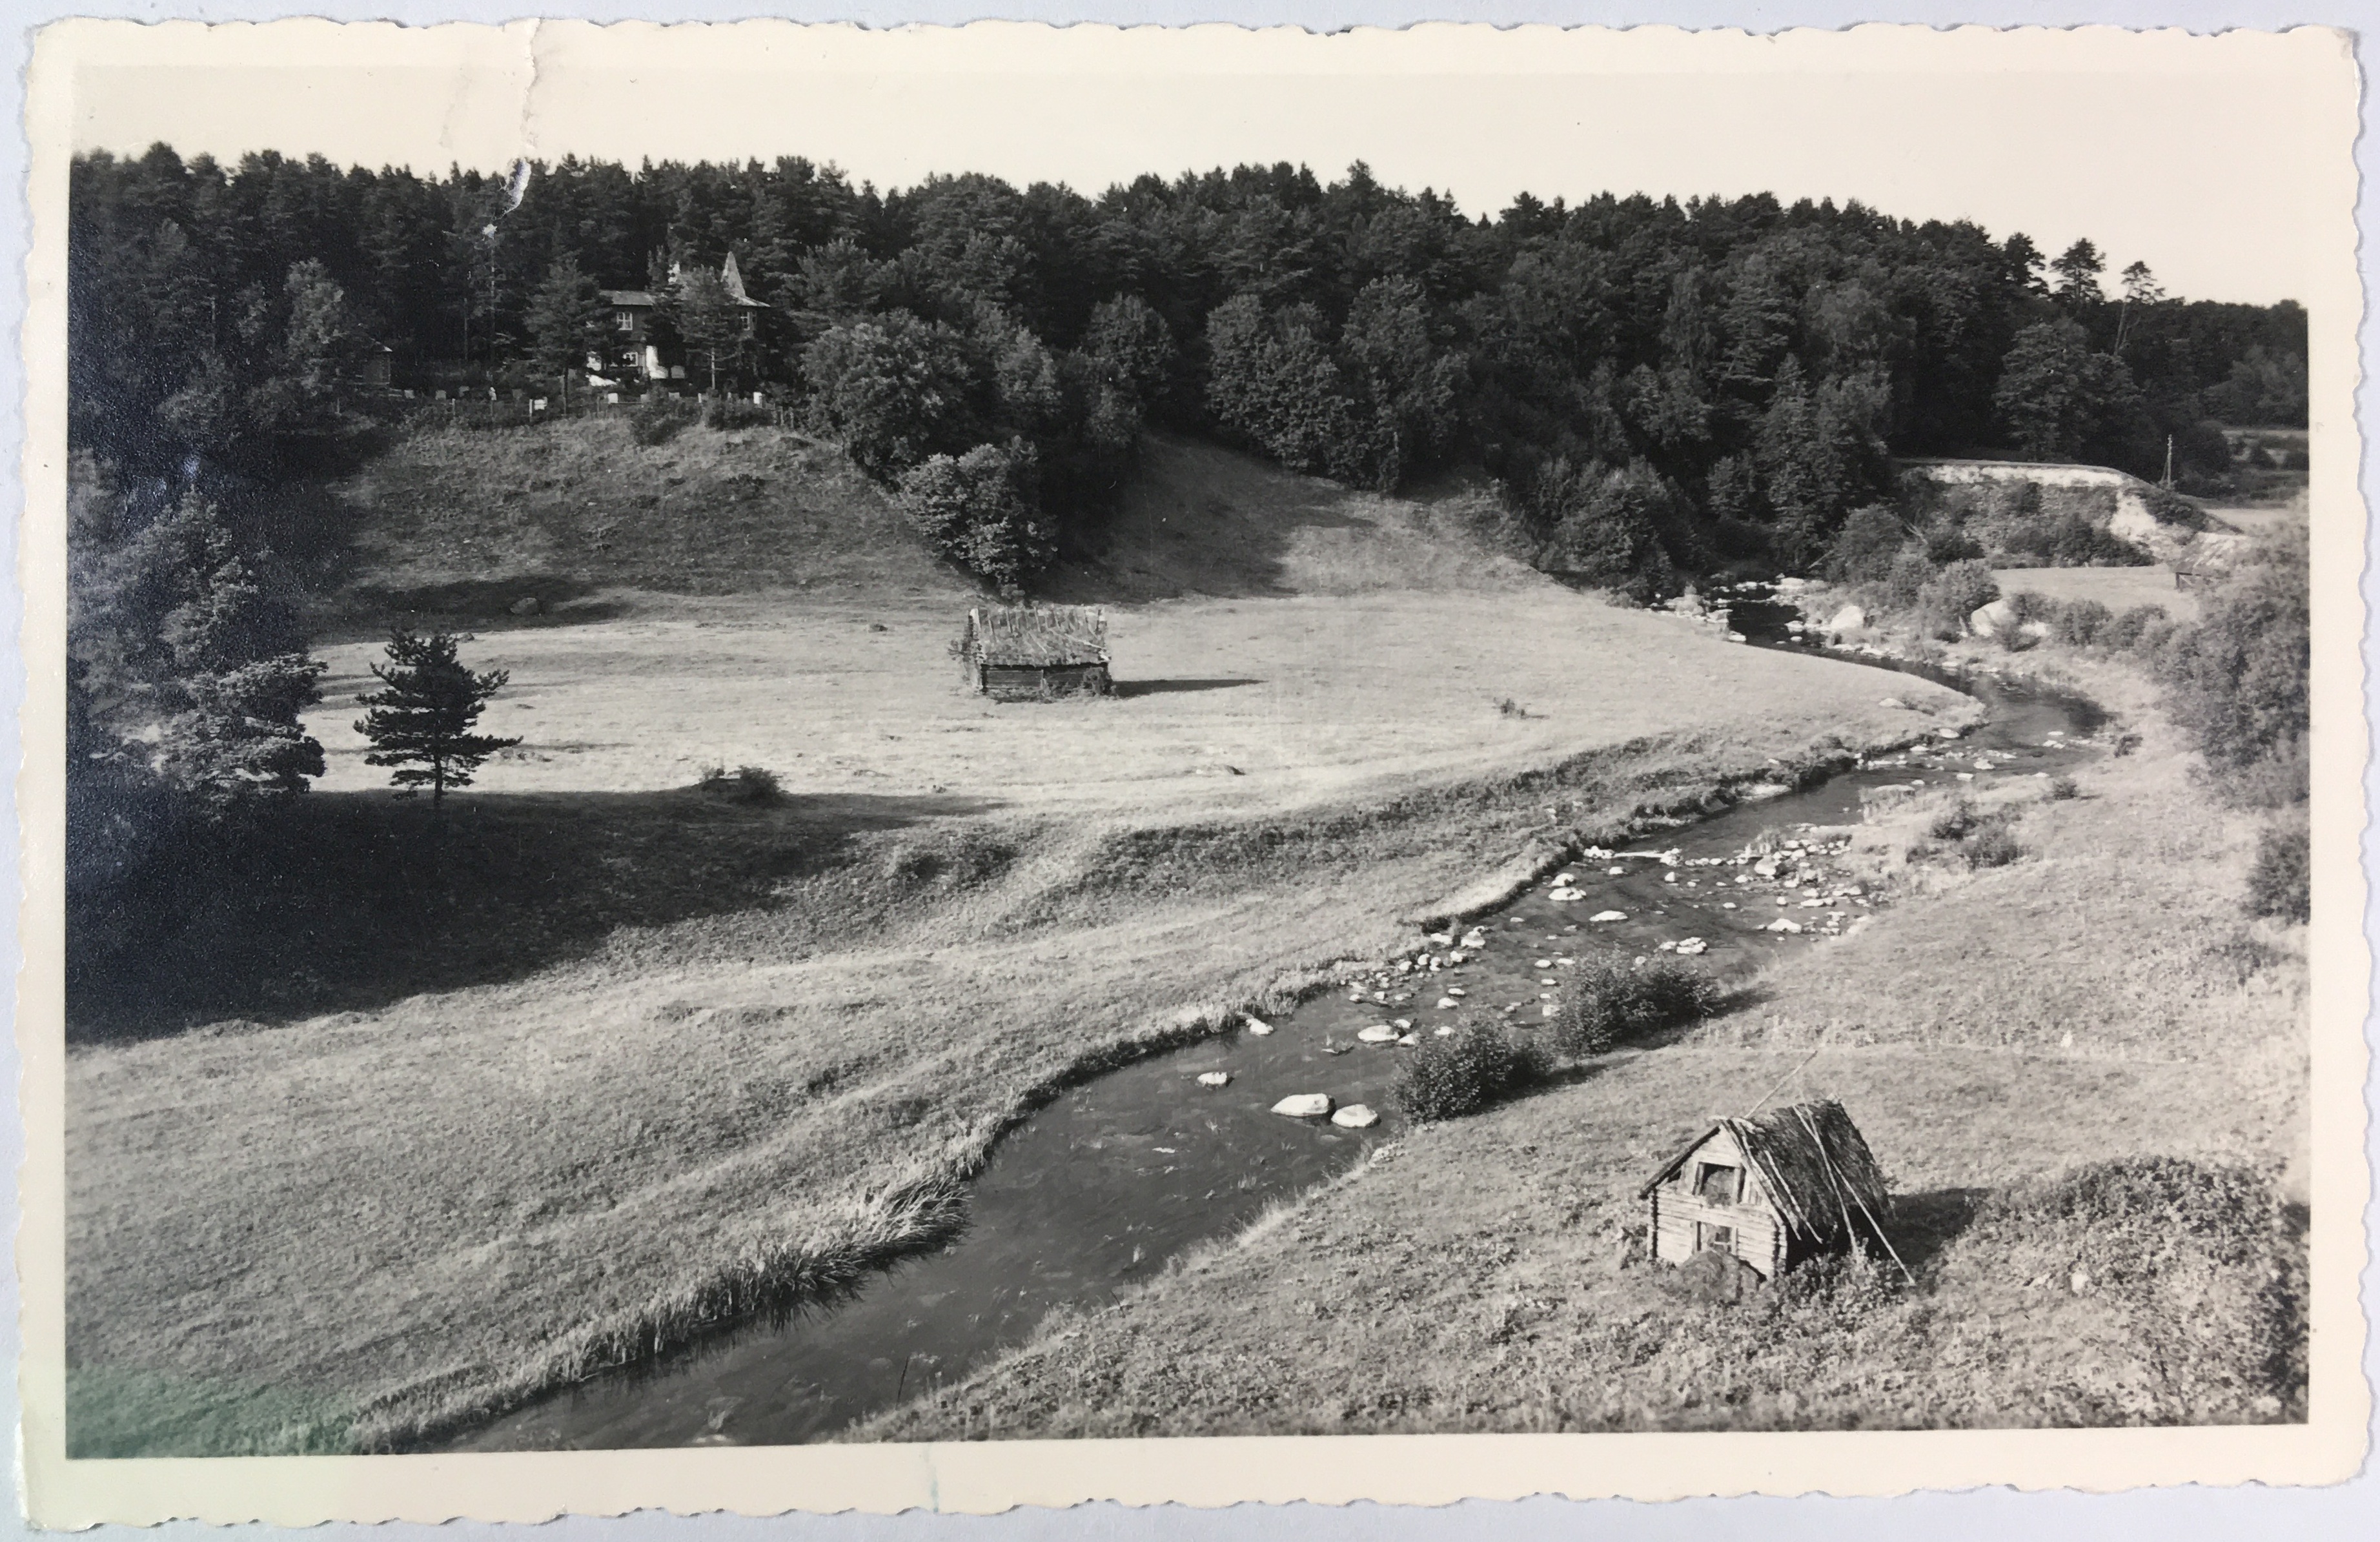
<point>1952,595</point>
<point>1907,578</point>
<point>2280,885</point>
<point>1948,542</point>
<point>1476,1065</point>
<point>2071,540</point>
<point>1867,546</point>
<point>2079,623</point>
<point>1608,1002</point>
<point>1954,823</point>
<point>744,785</point>
<point>657,419</point>
<point>1991,844</point>
<point>2124,632</point>
<point>982,510</point>
<point>2237,682</point>
<point>729,412</point>
<point>1982,840</point>
<point>2172,508</point>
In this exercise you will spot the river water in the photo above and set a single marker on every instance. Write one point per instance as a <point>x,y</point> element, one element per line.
<point>1103,1186</point>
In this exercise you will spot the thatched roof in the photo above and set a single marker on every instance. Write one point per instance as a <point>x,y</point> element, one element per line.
<point>1038,637</point>
<point>1819,1171</point>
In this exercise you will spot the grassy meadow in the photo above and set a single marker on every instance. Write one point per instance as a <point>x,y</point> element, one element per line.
<point>1996,1033</point>
<point>457,1108</point>
<point>2118,588</point>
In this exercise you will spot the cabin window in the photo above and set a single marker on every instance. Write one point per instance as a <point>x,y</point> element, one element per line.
<point>1714,1239</point>
<point>1718,1183</point>
<point>624,320</point>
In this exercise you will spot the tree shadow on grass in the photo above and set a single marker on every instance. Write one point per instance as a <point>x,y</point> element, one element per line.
<point>1200,519</point>
<point>472,604</point>
<point>352,901</point>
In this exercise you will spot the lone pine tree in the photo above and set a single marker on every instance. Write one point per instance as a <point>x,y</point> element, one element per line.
<point>421,721</point>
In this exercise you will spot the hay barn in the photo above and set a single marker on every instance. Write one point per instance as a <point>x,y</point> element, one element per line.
<point>1036,653</point>
<point>1771,1190</point>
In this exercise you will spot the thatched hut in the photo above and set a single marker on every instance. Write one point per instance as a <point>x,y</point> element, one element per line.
<point>1036,652</point>
<point>1771,1190</point>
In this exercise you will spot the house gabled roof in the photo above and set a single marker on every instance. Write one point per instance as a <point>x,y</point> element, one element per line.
<point>1038,637</point>
<point>732,276</point>
<point>1811,1158</point>
<point>730,273</point>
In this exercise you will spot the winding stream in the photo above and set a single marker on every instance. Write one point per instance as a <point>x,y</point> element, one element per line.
<point>1103,1186</point>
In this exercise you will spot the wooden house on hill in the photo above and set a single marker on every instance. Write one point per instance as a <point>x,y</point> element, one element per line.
<point>635,349</point>
<point>1034,653</point>
<point>1770,1190</point>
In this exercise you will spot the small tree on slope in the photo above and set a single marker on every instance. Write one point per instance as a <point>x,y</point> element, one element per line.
<point>421,721</point>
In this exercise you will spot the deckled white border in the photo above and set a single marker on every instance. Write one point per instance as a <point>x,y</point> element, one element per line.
<point>1422,1469</point>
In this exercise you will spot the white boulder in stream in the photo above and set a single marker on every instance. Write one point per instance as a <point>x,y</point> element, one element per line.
<point>1851,618</point>
<point>1305,1105</point>
<point>1992,619</point>
<point>1354,1116</point>
<point>1606,917</point>
<point>1214,1078</point>
<point>1258,1025</point>
<point>1378,1033</point>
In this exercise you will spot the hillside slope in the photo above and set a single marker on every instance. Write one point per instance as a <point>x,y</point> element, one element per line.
<point>464,523</point>
<point>1200,519</point>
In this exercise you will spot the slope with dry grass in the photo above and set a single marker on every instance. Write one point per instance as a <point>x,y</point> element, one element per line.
<point>1198,519</point>
<point>457,524</point>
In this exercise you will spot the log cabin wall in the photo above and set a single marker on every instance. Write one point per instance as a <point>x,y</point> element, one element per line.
<point>1682,1218</point>
<point>1030,683</point>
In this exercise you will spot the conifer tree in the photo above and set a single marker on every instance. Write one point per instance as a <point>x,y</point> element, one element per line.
<point>708,319</point>
<point>569,322</point>
<point>193,664</point>
<point>421,721</point>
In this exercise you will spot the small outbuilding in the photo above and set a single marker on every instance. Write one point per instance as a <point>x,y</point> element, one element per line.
<point>1771,1190</point>
<point>1036,652</point>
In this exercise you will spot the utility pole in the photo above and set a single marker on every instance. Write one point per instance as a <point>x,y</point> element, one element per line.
<point>2169,463</point>
<point>489,230</point>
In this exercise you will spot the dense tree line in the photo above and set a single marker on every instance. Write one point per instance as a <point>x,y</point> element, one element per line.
<point>1658,382</point>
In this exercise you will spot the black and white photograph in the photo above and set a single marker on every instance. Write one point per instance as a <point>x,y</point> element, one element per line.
<point>942,739</point>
